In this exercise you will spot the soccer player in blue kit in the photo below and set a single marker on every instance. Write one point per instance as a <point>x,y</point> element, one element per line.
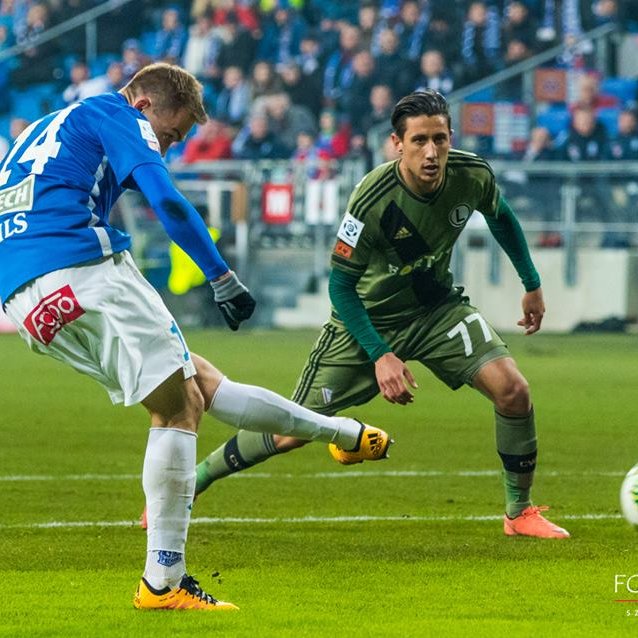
<point>69,284</point>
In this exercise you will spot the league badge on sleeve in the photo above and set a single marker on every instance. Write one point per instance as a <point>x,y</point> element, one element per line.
<point>148,134</point>
<point>350,230</point>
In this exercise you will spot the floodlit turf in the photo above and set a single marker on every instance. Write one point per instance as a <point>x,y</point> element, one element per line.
<point>412,546</point>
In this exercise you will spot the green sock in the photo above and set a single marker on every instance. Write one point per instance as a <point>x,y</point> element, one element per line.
<point>243,450</point>
<point>516,445</point>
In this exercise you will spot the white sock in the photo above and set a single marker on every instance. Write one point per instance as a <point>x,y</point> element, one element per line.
<point>249,407</point>
<point>168,478</point>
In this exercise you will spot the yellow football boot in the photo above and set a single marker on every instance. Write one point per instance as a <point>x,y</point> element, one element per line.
<point>187,595</point>
<point>372,445</point>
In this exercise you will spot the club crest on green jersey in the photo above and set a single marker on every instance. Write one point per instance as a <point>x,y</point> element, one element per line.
<point>459,215</point>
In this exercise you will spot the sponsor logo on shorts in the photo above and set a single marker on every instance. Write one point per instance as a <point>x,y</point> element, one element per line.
<point>343,250</point>
<point>350,230</point>
<point>326,394</point>
<point>53,313</point>
<point>459,215</point>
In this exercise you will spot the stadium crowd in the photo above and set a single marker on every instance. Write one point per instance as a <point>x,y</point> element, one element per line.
<point>295,78</point>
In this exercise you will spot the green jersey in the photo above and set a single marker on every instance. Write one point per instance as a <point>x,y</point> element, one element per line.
<point>400,243</point>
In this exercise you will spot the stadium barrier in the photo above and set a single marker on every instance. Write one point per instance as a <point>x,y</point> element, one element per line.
<point>281,249</point>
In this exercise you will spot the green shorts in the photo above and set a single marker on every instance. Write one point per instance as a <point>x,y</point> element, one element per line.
<point>454,342</point>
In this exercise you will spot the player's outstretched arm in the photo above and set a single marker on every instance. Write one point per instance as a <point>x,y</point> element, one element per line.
<point>186,228</point>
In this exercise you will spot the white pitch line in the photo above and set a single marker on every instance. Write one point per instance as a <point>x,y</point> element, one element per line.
<point>17,478</point>
<point>299,520</point>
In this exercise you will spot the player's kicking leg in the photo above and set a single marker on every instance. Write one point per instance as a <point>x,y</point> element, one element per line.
<point>501,381</point>
<point>270,425</point>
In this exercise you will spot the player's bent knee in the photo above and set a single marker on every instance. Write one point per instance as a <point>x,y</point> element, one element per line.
<point>514,397</point>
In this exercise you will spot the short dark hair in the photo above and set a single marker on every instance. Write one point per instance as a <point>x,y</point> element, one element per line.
<point>426,102</point>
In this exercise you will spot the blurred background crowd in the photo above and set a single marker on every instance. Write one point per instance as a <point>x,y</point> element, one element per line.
<point>318,78</point>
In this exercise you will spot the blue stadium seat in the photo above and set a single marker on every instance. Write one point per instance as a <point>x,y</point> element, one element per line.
<point>5,123</point>
<point>555,120</point>
<point>484,95</point>
<point>101,64</point>
<point>27,104</point>
<point>625,89</point>
<point>609,117</point>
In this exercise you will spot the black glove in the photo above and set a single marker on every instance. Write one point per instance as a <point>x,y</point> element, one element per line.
<point>233,299</point>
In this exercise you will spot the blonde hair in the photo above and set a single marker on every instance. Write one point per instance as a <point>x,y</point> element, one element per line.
<point>172,88</point>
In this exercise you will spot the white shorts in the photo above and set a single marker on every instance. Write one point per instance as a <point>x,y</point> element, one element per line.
<point>105,320</point>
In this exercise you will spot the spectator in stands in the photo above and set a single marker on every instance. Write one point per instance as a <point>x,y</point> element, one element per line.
<point>625,145</point>
<point>370,27</point>
<point>355,103</point>
<point>544,189</point>
<point>519,24</point>
<point>334,136</point>
<point>202,46</point>
<point>480,41</point>
<point>309,58</point>
<point>39,64</point>
<point>264,81</point>
<point>589,95</point>
<point>411,29</point>
<point>511,90</point>
<point>339,72</point>
<point>304,90</point>
<point>243,11</point>
<point>112,80</point>
<point>132,58</point>
<point>315,156</point>
<point>255,141</point>
<point>605,11</point>
<point>443,34</point>
<point>282,35</point>
<point>79,74</point>
<point>624,189</point>
<point>170,40</point>
<point>563,20</point>
<point>286,120</point>
<point>233,101</point>
<point>391,68</point>
<point>238,45</point>
<point>434,74</point>
<point>378,111</point>
<point>333,12</point>
<point>210,142</point>
<point>587,141</point>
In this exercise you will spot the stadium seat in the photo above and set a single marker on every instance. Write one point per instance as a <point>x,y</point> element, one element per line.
<point>484,95</point>
<point>555,120</point>
<point>625,89</point>
<point>609,117</point>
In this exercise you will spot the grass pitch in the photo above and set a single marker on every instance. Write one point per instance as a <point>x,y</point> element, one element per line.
<point>412,546</point>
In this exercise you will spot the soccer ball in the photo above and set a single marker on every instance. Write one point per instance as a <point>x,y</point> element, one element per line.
<point>629,496</point>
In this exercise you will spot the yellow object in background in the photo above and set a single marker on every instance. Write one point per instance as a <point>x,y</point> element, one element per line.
<point>185,273</point>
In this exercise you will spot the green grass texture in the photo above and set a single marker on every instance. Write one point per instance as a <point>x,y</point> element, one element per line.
<point>411,546</point>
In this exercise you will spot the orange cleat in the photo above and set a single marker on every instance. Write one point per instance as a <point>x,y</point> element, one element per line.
<point>373,445</point>
<point>531,523</point>
<point>187,595</point>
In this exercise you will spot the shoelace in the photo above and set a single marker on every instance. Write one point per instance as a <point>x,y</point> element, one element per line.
<point>192,587</point>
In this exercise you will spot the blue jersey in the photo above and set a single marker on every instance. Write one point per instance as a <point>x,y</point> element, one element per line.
<point>59,181</point>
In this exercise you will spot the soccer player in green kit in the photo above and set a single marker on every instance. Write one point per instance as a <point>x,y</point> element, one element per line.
<point>394,301</point>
